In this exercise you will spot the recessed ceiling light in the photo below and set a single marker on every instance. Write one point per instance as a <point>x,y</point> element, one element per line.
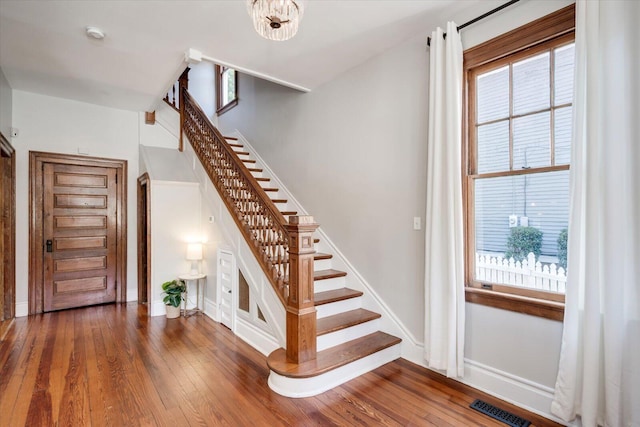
<point>95,33</point>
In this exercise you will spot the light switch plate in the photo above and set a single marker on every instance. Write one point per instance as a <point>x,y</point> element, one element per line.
<point>417,223</point>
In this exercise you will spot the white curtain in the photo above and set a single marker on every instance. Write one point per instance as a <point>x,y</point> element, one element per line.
<point>444,267</point>
<point>599,372</point>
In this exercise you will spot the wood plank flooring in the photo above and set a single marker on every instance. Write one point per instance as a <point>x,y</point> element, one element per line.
<point>112,365</point>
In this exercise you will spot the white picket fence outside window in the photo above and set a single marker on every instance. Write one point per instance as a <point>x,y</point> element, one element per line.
<point>526,274</point>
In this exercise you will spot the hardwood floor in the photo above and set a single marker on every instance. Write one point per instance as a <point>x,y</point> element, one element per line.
<point>112,365</point>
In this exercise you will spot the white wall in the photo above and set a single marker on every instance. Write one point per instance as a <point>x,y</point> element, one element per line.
<point>202,88</point>
<point>5,106</point>
<point>353,152</point>
<point>62,126</point>
<point>175,221</point>
<point>166,164</point>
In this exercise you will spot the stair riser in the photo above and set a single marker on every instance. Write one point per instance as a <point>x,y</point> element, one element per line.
<point>321,264</point>
<point>272,194</point>
<point>332,339</point>
<point>328,284</point>
<point>305,387</point>
<point>338,307</point>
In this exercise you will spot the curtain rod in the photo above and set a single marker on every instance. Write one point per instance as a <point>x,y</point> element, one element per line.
<point>484,15</point>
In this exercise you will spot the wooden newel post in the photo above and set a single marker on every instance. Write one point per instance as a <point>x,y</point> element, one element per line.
<point>183,84</point>
<point>301,311</point>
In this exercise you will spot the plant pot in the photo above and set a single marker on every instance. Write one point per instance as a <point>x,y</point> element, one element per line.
<point>172,312</point>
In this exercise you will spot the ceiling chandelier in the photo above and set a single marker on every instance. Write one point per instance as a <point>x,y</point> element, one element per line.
<point>275,19</point>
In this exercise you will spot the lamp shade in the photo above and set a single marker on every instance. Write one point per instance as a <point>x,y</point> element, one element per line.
<point>194,251</point>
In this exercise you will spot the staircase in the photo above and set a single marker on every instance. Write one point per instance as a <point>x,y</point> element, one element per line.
<point>331,338</point>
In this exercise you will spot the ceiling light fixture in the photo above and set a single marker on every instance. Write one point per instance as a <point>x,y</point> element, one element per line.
<point>275,19</point>
<point>95,33</point>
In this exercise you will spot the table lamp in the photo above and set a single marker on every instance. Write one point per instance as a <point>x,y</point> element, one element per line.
<point>194,254</point>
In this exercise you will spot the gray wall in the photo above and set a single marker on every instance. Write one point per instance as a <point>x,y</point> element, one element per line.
<point>6,106</point>
<point>353,152</point>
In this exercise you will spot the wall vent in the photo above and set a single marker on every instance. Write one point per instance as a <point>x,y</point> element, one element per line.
<point>499,414</point>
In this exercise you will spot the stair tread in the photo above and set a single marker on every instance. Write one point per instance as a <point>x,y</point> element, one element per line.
<point>233,138</point>
<point>289,213</point>
<point>327,297</point>
<point>328,274</point>
<point>263,179</point>
<point>331,358</point>
<point>344,320</point>
<point>248,160</point>
<point>279,200</point>
<point>270,189</point>
<point>316,257</point>
<point>242,153</point>
<point>254,169</point>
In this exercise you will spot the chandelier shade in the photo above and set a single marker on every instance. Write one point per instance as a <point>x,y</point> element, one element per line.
<point>275,19</point>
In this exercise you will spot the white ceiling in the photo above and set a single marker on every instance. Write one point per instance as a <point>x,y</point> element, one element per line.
<point>44,49</point>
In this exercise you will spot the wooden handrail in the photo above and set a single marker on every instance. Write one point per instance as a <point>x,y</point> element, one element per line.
<point>284,249</point>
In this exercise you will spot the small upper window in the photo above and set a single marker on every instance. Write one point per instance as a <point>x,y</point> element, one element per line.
<point>226,88</point>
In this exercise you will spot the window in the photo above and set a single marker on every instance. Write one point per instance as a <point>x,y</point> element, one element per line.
<point>519,90</point>
<point>226,89</point>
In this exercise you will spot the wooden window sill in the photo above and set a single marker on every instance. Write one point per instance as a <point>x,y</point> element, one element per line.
<point>220,111</point>
<point>522,304</point>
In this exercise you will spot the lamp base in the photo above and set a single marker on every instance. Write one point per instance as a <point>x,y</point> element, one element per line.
<point>194,268</point>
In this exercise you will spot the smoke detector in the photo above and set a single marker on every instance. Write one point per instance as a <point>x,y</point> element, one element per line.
<point>95,33</point>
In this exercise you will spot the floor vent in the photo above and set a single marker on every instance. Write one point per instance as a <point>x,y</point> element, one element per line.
<point>499,414</point>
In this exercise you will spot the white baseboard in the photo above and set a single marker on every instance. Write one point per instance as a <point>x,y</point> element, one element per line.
<point>256,337</point>
<point>246,331</point>
<point>211,309</point>
<point>519,391</point>
<point>157,309</point>
<point>22,309</point>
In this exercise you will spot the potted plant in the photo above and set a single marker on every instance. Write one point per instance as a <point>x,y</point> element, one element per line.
<point>173,291</point>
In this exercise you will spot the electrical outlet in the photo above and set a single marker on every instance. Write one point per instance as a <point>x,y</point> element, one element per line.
<point>417,223</point>
<point>211,219</point>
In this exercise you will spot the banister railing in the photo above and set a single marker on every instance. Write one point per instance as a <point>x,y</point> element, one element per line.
<point>284,249</point>
<point>173,95</point>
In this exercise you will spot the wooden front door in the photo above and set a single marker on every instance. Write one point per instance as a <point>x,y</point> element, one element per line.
<point>77,245</point>
<point>80,233</point>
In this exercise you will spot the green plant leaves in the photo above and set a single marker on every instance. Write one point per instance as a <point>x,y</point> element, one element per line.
<point>173,291</point>
<point>522,241</point>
